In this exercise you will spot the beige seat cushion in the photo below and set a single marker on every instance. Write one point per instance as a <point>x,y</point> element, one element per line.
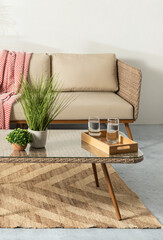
<point>102,104</point>
<point>39,66</point>
<point>86,72</point>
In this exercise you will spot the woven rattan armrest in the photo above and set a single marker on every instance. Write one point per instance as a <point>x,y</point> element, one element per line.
<point>129,85</point>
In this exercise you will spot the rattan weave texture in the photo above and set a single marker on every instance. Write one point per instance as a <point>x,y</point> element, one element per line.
<point>129,85</point>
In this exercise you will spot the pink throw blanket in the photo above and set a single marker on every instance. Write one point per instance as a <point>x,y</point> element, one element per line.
<point>12,66</point>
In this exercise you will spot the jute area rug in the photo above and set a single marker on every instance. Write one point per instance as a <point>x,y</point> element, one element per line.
<point>65,195</point>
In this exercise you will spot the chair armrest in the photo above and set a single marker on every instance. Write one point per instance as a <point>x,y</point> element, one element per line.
<point>129,85</point>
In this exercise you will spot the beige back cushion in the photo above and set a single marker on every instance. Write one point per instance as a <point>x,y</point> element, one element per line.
<point>39,66</point>
<point>86,72</point>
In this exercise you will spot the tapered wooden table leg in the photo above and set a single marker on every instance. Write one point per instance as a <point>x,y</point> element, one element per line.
<point>109,185</point>
<point>95,174</point>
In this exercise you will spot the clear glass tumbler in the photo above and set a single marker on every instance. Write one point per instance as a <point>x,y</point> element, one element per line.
<point>112,130</point>
<point>94,126</point>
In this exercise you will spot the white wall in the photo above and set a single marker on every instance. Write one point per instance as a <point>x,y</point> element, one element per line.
<point>133,29</point>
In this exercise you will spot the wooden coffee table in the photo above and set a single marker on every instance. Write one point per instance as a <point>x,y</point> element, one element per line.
<point>65,146</point>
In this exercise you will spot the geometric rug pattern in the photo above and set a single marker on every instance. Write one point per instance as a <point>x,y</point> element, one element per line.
<point>65,196</point>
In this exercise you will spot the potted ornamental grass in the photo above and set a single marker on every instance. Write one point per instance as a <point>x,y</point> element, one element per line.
<point>19,138</point>
<point>42,101</point>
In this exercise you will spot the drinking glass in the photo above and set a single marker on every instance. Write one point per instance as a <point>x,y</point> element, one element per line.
<point>94,126</point>
<point>112,130</point>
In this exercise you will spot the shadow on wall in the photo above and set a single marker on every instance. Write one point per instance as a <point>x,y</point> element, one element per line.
<point>151,100</point>
<point>15,43</point>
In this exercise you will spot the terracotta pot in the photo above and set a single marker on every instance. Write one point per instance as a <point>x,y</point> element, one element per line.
<point>18,147</point>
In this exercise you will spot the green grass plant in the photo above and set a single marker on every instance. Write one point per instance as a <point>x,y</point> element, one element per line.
<point>42,101</point>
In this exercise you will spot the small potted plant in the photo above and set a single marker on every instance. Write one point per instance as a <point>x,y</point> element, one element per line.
<point>19,138</point>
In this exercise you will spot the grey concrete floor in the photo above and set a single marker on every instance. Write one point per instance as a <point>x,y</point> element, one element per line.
<point>145,178</point>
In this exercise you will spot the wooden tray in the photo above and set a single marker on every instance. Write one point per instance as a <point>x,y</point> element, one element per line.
<point>124,144</point>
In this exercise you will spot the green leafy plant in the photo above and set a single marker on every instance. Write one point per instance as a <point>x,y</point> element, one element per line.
<point>42,101</point>
<point>20,137</point>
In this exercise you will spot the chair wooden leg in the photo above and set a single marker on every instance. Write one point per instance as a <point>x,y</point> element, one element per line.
<point>128,131</point>
<point>95,174</point>
<point>111,191</point>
